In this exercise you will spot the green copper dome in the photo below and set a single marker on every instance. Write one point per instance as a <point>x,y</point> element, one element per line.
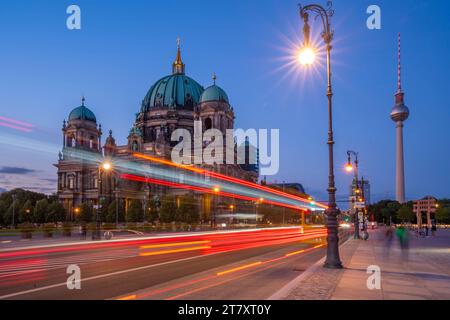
<point>82,113</point>
<point>174,91</point>
<point>214,93</point>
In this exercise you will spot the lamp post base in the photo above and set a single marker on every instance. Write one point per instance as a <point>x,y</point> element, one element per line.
<point>333,260</point>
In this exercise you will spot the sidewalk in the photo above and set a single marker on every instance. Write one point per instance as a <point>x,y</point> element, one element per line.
<point>424,273</point>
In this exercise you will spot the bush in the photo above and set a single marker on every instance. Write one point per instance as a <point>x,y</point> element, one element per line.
<point>147,227</point>
<point>135,211</point>
<point>168,209</point>
<point>187,211</point>
<point>109,226</point>
<point>111,216</point>
<point>26,230</point>
<point>67,229</point>
<point>48,229</point>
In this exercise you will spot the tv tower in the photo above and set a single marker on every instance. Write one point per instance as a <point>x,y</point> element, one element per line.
<point>399,114</point>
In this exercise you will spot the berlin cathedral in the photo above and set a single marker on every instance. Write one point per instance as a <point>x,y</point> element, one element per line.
<point>175,101</point>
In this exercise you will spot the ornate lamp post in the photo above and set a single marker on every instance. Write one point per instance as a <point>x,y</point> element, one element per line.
<point>349,168</point>
<point>307,57</point>
<point>216,191</point>
<point>105,166</point>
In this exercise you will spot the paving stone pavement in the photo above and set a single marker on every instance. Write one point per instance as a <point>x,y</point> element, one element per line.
<point>420,273</point>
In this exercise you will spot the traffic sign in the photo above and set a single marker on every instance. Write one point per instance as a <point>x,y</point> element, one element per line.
<point>360,205</point>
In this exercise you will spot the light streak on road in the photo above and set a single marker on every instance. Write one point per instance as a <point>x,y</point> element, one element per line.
<point>227,178</point>
<point>205,190</point>
<point>176,244</point>
<point>154,253</point>
<point>193,177</point>
<point>130,297</point>
<point>268,264</point>
<point>294,253</point>
<point>239,268</point>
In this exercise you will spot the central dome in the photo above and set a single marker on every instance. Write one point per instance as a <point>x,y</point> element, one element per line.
<point>174,91</point>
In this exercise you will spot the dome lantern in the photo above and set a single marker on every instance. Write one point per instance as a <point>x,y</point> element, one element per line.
<point>178,65</point>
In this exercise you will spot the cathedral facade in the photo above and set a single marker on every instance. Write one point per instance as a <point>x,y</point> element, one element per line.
<point>173,102</point>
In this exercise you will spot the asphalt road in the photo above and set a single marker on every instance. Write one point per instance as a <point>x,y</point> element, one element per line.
<point>243,265</point>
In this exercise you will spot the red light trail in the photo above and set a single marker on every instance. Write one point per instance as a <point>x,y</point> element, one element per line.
<point>204,190</point>
<point>226,178</point>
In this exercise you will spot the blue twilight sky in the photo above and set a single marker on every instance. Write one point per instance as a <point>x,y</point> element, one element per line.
<point>125,46</point>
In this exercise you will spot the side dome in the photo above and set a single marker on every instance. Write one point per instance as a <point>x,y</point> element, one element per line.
<point>173,91</point>
<point>214,93</point>
<point>82,113</point>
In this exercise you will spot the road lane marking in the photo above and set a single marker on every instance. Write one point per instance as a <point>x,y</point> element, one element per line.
<point>239,268</point>
<point>131,297</point>
<point>175,244</point>
<point>294,253</point>
<point>154,253</point>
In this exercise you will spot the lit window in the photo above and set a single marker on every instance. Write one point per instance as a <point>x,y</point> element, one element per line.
<point>71,182</point>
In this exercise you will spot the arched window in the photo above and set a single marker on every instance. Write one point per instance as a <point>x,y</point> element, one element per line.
<point>208,123</point>
<point>71,182</point>
<point>91,142</point>
<point>73,142</point>
<point>134,146</point>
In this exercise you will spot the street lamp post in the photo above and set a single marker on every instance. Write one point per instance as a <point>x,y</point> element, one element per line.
<point>350,168</point>
<point>306,57</point>
<point>365,235</point>
<point>105,166</point>
<point>213,220</point>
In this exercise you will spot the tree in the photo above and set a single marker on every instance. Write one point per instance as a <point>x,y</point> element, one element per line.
<point>168,209</point>
<point>152,211</point>
<point>187,210</point>
<point>56,212</point>
<point>443,215</point>
<point>8,216</point>
<point>134,213</point>
<point>405,214</point>
<point>26,213</point>
<point>111,216</point>
<point>85,214</point>
<point>40,211</point>
<point>3,208</point>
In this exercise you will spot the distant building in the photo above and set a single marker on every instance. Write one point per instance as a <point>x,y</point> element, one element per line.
<point>425,207</point>
<point>296,187</point>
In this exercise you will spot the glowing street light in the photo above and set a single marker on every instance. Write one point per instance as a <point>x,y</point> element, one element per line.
<point>349,167</point>
<point>106,166</point>
<point>307,56</point>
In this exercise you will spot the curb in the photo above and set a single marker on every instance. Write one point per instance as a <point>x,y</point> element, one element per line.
<point>284,292</point>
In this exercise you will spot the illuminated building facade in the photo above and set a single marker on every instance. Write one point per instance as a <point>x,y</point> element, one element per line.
<point>173,102</point>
